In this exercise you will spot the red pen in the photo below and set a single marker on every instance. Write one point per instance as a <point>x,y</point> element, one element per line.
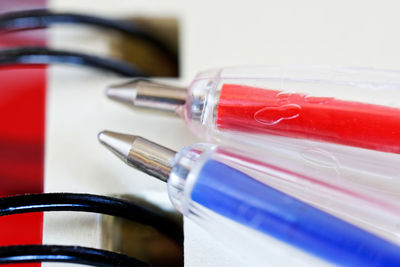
<point>247,100</point>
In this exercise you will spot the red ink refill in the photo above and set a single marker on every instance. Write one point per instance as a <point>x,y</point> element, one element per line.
<point>342,120</point>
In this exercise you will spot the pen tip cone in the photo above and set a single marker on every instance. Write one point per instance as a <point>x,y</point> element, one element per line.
<point>119,144</point>
<point>124,93</point>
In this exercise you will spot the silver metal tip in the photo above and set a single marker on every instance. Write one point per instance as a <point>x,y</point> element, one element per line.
<point>148,94</point>
<point>124,93</point>
<point>119,144</point>
<point>140,153</point>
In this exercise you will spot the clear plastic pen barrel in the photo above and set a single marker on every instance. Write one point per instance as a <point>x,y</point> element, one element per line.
<point>205,186</point>
<point>341,121</point>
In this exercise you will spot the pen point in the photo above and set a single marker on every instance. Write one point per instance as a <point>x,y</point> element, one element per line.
<point>140,153</point>
<point>125,93</point>
<point>148,94</point>
<point>119,144</point>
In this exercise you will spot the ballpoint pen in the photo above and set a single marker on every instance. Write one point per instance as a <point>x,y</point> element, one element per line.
<point>205,186</point>
<point>313,104</point>
<point>342,120</point>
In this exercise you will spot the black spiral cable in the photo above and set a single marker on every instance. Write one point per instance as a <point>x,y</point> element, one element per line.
<point>66,254</point>
<point>43,55</point>
<point>90,203</point>
<point>32,19</point>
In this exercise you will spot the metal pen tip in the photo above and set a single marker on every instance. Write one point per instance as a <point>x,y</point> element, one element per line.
<point>148,94</point>
<point>119,144</point>
<point>140,153</point>
<point>124,93</point>
<point>124,96</point>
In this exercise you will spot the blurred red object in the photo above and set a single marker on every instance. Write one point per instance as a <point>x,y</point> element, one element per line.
<point>22,105</point>
<point>22,131</point>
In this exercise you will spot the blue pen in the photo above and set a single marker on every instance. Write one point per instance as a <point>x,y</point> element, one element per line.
<point>201,183</point>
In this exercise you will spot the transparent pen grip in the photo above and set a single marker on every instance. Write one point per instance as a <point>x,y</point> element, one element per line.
<point>229,193</point>
<point>301,103</point>
<point>340,121</point>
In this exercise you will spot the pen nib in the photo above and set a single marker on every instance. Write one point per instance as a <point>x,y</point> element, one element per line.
<point>140,153</point>
<point>123,93</point>
<point>119,144</point>
<point>148,94</point>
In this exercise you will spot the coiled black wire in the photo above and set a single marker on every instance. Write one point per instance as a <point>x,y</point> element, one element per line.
<point>90,203</point>
<point>66,254</point>
<point>32,19</point>
<point>43,55</point>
